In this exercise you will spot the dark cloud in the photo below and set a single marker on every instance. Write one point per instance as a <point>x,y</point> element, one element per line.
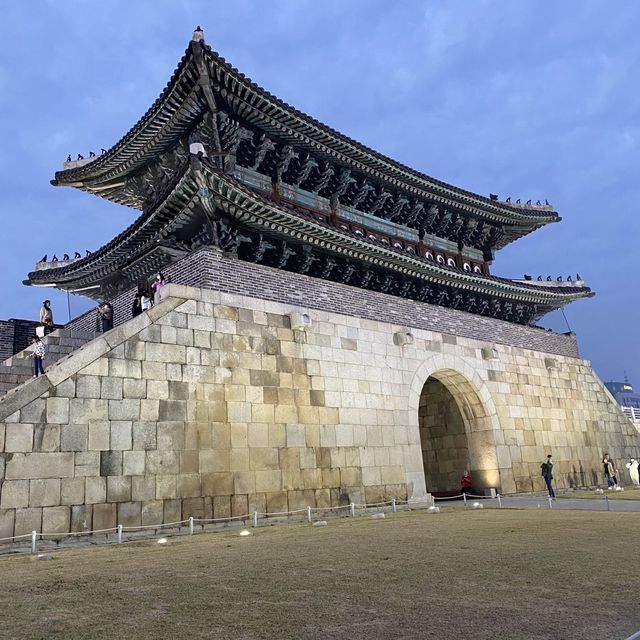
<point>529,99</point>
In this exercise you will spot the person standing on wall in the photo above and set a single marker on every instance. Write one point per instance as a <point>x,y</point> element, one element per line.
<point>547,473</point>
<point>105,310</point>
<point>609,472</point>
<point>157,285</point>
<point>46,317</point>
<point>37,355</point>
<point>136,306</point>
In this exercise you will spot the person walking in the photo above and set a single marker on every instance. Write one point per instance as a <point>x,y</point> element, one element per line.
<point>37,355</point>
<point>633,465</point>
<point>547,473</point>
<point>466,482</point>
<point>609,472</point>
<point>46,317</point>
<point>145,301</point>
<point>105,310</point>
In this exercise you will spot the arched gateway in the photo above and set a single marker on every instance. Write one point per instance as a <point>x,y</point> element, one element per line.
<point>457,426</point>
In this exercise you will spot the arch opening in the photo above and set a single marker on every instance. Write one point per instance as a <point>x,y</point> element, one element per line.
<point>455,434</point>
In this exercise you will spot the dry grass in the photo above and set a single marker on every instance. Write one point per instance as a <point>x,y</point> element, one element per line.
<point>627,494</point>
<point>459,574</point>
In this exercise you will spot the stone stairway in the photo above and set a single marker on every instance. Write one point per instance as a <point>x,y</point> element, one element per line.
<point>60,343</point>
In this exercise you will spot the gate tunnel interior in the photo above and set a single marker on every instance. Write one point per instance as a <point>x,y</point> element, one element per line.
<point>455,434</point>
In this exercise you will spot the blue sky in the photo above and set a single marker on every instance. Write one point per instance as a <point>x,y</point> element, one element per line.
<point>524,98</point>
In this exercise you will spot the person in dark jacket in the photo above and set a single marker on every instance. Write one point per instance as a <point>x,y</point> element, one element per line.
<point>547,474</point>
<point>136,307</point>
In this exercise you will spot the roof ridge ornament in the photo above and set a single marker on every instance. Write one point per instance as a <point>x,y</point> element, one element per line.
<point>198,35</point>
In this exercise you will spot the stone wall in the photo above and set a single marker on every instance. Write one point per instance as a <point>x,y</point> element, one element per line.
<point>211,405</point>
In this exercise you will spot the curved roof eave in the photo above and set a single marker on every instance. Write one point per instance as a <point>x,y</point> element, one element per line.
<point>182,81</point>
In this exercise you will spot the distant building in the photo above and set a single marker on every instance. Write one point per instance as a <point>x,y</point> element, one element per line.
<point>626,398</point>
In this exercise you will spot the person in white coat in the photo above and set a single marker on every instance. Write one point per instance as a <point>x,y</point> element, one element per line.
<point>633,471</point>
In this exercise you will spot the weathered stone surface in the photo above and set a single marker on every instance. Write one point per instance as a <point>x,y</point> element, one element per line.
<point>129,514</point>
<point>121,434</point>
<point>18,437</point>
<point>72,490</point>
<point>87,463</point>
<point>118,489</point>
<point>39,465</point>
<point>44,493</point>
<point>56,520</point>
<point>104,516</point>
<point>133,463</point>
<point>74,437</point>
<point>28,520</point>
<point>95,490</point>
<point>81,517</point>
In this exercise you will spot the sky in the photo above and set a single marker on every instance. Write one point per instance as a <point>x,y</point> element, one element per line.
<point>529,98</point>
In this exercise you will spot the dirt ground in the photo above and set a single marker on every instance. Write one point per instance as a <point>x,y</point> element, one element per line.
<point>470,574</point>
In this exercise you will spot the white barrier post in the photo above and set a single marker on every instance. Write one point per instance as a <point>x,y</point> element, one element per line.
<point>464,497</point>
<point>34,538</point>
<point>352,507</point>
<point>499,501</point>
<point>255,519</point>
<point>191,525</point>
<point>308,514</point>
<point>393,505</point>
<point>119,534</point>
<point>550,503</point>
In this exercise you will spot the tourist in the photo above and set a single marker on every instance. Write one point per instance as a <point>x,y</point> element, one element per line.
<point>547,474</point>
<point>609,472</point>
<point>136,307</point>
<point>105,311</point>
<point>145,301</point>
<point>466,481</point>
<point>37,355</point>
<point>157,285</point>
<point>633,465</point>
<point>46,317</point>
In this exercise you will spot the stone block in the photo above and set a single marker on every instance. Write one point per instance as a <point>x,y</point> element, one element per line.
<point>151,512</point>
<point>39,465</point>
<point>110,463</point>
<point>188,485</point>
<point>162,462</point>
<point>128,409</point>
<point>172,510</point>
<point>95,490</point>
<point>34,412</point>
<point>133,463</point>
<point>18,437</point>
<point>144,435</point>
<point>71,490</point>
<point>149,410</point>
<point>323,498</point>
<point>263,458</point>
<point>170,435</point>
<point>87,410</point>
<point>189,461</point>
<point>118,489</point>
<point>28,520</point>
<point>87,463</point>
<point>46,437</point>
<point>121,435</point>
<point>88,387</point>
<point>158,352</point>
<point>104,516</point>
<point>239,505</point>
<point>129,514</point>
<point>74,437</point>
<point>172,410</point>
<point>143,488</point>
<point>277,502</point>
<point>121,368</point>
<point>222,507</point>
<point>295,435</point>
<point>99,435</point>
<point>166,487</point>
<point>132,388</point>
<point>58,410</point>
<point>7,522</point>
<point>99,367</point>
<point>56,519</point>
<point>215,484</point>
<point>15,494</point>
<point>154,371</point>
<point>44,493</point>
<point>268,481</point>
<point>134,350</point>
<point>111,388</point>
<point>158,389</point>
<point>81,517</point>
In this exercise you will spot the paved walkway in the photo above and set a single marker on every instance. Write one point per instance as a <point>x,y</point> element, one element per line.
<point>600,503</point>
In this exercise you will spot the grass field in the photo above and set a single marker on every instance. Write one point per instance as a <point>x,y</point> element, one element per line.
<point>627,494</point>
<point>459,574</point>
